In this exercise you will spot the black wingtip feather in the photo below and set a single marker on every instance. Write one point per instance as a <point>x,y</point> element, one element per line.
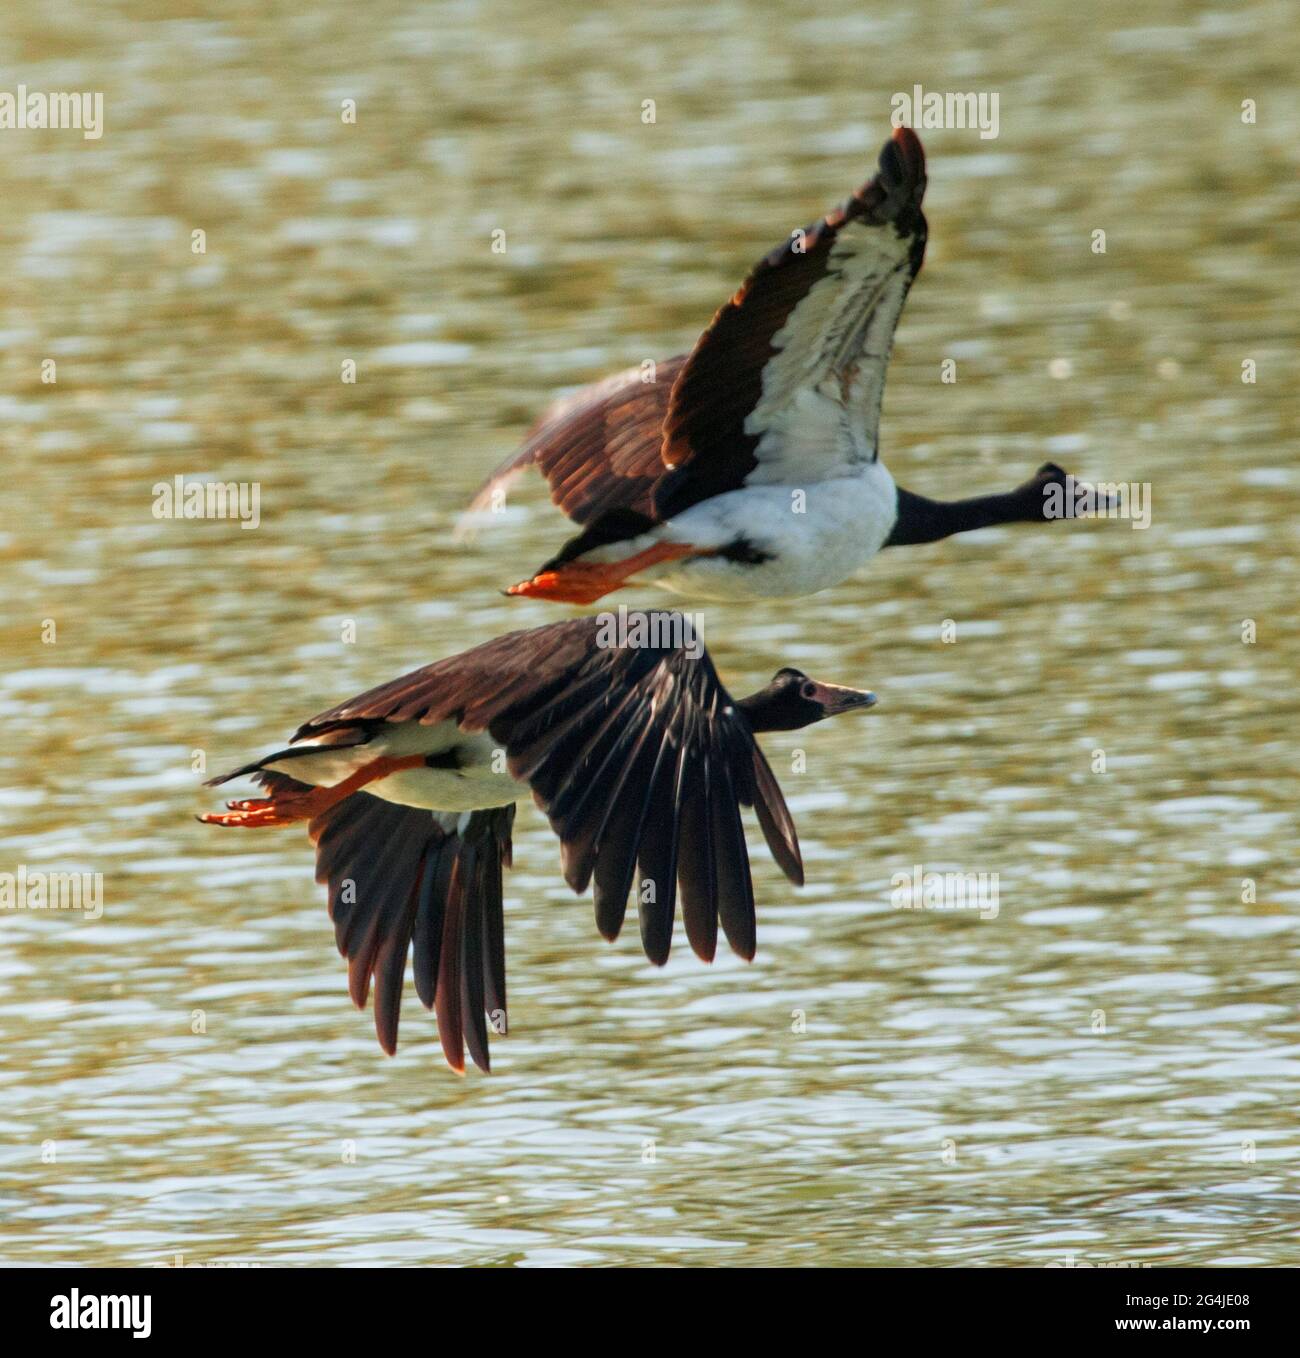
<point>494,940</point>
<point>774,819</point>
<point>657,855</point>
<point>474,1019</point>
<point>697,875</point>
<point>447,997</point>
<point>735,887</point>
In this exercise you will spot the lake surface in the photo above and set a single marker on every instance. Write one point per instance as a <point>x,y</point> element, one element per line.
<point>1108,1070</point>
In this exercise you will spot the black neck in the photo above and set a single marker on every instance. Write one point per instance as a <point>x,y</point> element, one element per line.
<point>770,709</point>
<point>755,707</point>
<point>923,520</point>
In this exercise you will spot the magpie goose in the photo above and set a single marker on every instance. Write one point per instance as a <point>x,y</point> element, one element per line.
<point>749,468</point>
<point>625,738</point>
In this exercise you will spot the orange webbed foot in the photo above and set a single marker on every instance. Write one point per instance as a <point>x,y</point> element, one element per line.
<point>253,811</point>
<point>583,582</point>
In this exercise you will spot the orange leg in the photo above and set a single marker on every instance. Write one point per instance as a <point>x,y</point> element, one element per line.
<point>294,806</point>
<point>583,582</point>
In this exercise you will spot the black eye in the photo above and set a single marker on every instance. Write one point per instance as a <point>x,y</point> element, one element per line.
<point>808,689</point>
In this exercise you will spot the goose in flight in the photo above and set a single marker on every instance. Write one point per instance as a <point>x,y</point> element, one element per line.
<point>749,468</point>
<point>627,741</point>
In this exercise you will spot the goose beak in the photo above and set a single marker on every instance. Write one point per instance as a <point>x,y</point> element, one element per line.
<point>835,699</point>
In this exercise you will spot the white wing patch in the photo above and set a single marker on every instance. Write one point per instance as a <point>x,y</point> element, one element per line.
<point>819,414</point>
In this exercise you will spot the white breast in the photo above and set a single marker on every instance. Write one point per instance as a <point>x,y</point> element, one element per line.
<point>473,788</point>
<point>480,782</point>
<point>817,535</point>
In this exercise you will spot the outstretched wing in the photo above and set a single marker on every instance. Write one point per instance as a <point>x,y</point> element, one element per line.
<point>786,384</point>
<point>400,879</point>
<point>633,749</point>
<point>599,449</point>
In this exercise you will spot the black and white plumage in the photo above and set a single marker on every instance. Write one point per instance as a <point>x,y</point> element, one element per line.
<point>749,468</point>
<point>636,753</point>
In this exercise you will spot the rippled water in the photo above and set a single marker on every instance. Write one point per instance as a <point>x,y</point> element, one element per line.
<point>1109,1069</point>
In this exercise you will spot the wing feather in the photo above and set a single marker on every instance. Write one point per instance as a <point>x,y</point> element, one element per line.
<point>447,999</point>
<point>599,449</point>
<point>774,818</point>
<point>785,385</point>
<point>618,839</point>
<point>697,874</point>
<point>400,882</point>
<point>618,743</point>
<point>657,855</point>
<point>435,881</point>
<point>735,889</point>
<point>473,1000</point>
